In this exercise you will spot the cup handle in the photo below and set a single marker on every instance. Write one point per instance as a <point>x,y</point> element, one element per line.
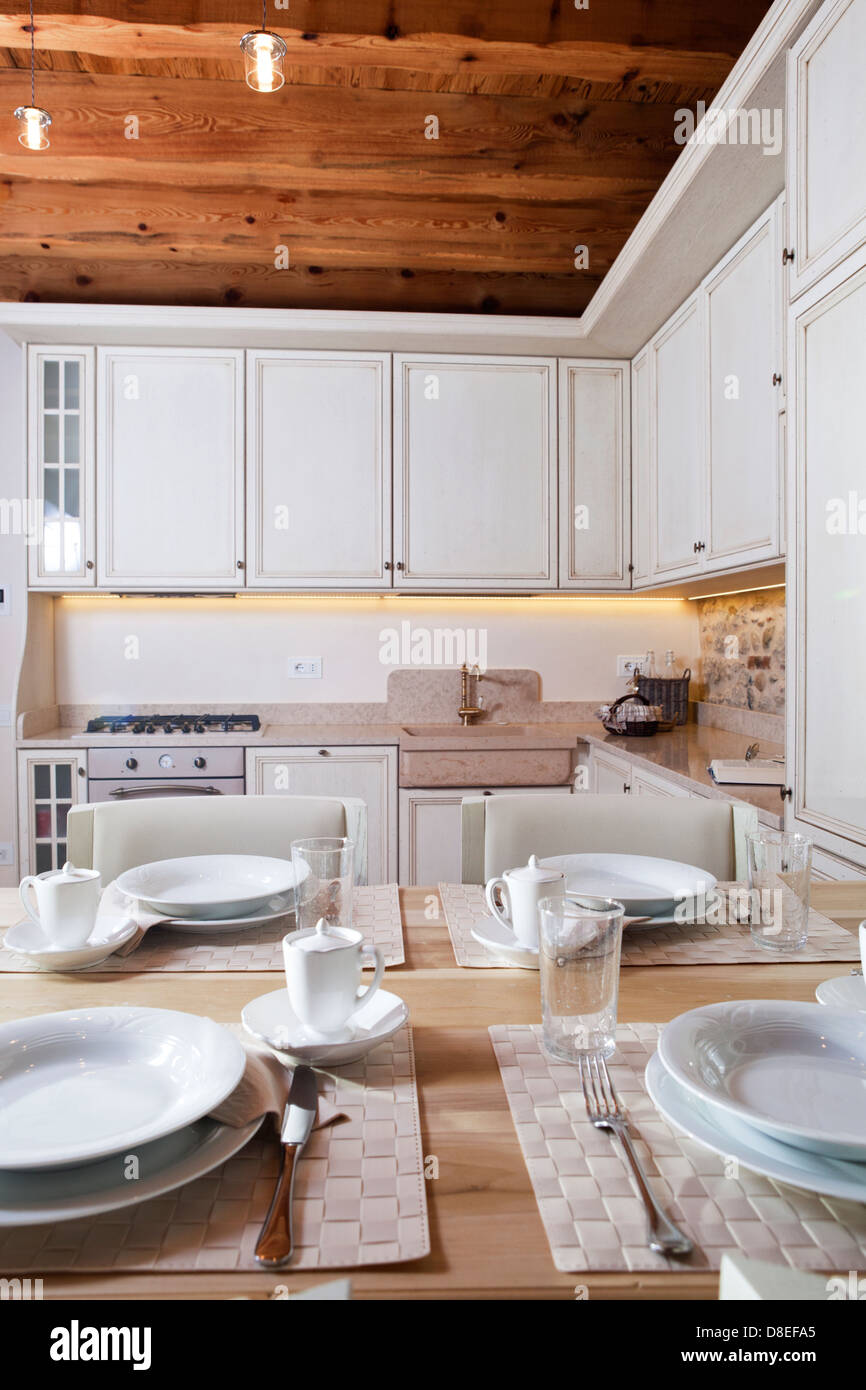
<point>25,887</point>
<point>362,999</point>
<point>490,895</point>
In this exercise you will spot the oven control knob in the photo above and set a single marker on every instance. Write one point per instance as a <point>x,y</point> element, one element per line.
<point>166,760</point>
<point>199,762</point>
<point>132,764</point>
<point>148,729</point>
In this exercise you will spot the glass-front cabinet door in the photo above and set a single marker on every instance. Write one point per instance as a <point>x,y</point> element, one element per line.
<point>58,511</point>
<point>50,782</point>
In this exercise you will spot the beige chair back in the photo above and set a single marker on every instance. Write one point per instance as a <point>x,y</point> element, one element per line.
<point>500,832</point>
<point>115,836</point>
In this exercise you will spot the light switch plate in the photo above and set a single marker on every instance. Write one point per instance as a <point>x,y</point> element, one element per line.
<point>305,667</point>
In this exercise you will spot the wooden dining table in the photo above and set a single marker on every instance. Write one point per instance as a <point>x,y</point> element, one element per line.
<point>487,1239</point>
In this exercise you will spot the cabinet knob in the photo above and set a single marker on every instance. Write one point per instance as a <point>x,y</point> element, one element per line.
<point>777,378</point>
<point>785,793</point>
<point>82,772</point>
<point>89,565</point>
<point>787,255</point>
<point>626,787</point>
<point>324,753</point>
<point>399,565</point>
<point>240,564</point>
<point>388,565</point>
<point>486,793</point>
<point>698,547</point>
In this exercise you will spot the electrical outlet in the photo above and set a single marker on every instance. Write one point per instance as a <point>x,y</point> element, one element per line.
<point>306,667</point>
<point>625,665</point>
<point>6,852</point>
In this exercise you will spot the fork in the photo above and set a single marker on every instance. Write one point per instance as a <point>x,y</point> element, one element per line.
<point>604,1111</point>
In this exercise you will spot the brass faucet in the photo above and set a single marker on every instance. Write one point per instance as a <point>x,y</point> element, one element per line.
<point>466,711</point>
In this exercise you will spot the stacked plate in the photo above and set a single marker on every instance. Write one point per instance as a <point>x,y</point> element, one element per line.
<point>775,1084</point>
<point>106,1107</point>
<point>655,892</point>
<point>213,892</point>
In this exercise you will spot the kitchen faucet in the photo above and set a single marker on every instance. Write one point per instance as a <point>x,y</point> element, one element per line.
<point>466,711</point>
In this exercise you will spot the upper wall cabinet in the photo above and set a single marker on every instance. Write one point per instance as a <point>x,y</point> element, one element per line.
<point>594,494</point>
<point>826,142</point>
<point>170,448</point>
<point>474,472</point>
<point>677,483</point>
<point>319,470</point>
<point>744,368</point>
<point>59,526</point>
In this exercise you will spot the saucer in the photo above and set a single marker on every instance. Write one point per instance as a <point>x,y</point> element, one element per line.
<point>843,992</point>
<point>29,940</point>
<point>500,941</point>
<point>271,1019</point>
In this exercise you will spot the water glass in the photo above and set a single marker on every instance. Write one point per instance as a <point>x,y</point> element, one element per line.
<point>323,881</point>
<point>579,942</point>
<point>780,869</point>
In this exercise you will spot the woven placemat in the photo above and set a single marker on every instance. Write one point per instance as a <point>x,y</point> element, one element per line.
<point>359,1194</point>
<point>376,913</point>
<point>694,943</point>
<point>592,1216</point>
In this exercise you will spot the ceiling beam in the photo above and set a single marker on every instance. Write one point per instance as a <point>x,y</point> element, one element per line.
<point>432,53</point>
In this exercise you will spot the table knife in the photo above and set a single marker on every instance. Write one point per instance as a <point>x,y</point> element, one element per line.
<point>275,1245</point>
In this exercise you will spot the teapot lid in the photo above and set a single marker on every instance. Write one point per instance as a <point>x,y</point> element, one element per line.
<point>533,872</point>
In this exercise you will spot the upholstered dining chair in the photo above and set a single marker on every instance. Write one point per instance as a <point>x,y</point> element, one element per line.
<point>500,832</point>
<point>115,836</point>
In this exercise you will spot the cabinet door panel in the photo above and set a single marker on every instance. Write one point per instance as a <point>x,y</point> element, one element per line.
<point>742,310</point>
<point>594,475</point>
<point>641,525</point>
<point>170,468</point>
<point>475,472</point>
<point>60,504</point>
<point>319,469</point>
<point>678,444</point>
<point>50,782</point>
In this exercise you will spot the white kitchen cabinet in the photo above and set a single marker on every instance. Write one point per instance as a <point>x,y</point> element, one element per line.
<point>57,514</point>
<point>826,143</point>
<point>50,782</point>
<point>170,450</point>
<point>319,470</point>
<point>744,369</point>
<point>365,771</point>
<point>610,773</point>
<point>641,550</point>
<point>677,445</point>
<point>431,843</point>
<point>474,472</point>
<point>646,784</point>
<point>594,475</point>
<point>826,655</point>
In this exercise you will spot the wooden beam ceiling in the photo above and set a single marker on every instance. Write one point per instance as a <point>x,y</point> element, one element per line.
<point>555,127</point>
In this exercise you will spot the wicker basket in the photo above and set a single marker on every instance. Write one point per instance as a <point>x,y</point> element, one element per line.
<point>670,693</point>
<point>621,724</point>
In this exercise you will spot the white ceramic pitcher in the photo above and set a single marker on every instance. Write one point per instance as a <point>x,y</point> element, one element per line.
<point>323,973</point>
<point>66,903</point>
<point>522,890</point>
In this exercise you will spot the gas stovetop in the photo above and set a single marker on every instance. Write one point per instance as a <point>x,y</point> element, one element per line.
<point>174,724</point>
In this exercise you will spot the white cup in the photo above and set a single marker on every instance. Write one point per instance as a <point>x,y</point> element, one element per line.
<point>66,903</point>
<point>522,890</point>
<point>323,973</point>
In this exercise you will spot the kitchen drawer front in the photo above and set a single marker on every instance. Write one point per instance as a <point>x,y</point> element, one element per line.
<point>431,846</point>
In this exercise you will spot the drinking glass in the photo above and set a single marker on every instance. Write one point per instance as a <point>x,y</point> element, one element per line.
<point>323,881</point>
<point>579,941</point>
<point>780,868</point>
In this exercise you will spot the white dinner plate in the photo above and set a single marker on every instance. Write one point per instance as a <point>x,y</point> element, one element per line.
<point>832,1177</point>
<point>280,906</point>
<point>271,1020</point>
<point>29,940</point>
<point>794,1071</point>
<point>86,1083</point>
<point>64,1194</point>
<point>500,941</point>
<point>208,885</point>
<point>646,887</point>
<point>843,992</point>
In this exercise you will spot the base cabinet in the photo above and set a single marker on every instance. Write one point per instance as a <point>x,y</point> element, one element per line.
<point>50,782</point>
<point>609,774</point>
<point>367,772</point>
<point>431,849</point>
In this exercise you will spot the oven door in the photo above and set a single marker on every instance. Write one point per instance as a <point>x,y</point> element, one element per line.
<point>141,789</point>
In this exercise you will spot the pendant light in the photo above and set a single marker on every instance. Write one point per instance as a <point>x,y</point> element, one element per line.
<point>34,121</point>
<point>263,57</point>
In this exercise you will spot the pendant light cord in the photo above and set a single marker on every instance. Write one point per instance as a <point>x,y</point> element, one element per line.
<point>33,57</point>
<point>264,15</point>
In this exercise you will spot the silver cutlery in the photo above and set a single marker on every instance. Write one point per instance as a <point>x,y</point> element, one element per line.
<point>605,1112</point>
<point>275,1245</point>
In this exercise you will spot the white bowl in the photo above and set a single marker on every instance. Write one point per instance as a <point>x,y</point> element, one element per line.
<point>208,885</point>
<point>646,886</point>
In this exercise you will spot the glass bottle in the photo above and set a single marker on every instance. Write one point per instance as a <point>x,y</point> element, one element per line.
<point>672,666</point>
<point>650,671</point>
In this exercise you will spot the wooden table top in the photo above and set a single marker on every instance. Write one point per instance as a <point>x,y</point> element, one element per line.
<point>487,1240</point>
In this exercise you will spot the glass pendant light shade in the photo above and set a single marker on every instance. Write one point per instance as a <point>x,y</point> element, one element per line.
<point>34,124</point>
<point>263,60</point>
